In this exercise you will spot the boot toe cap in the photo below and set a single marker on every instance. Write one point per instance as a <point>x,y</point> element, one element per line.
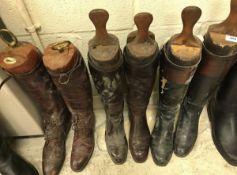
<point>140,154</point>
<point>50,170</point>
<point>181,151</point>
<point>118,155</point>
<point>79,164</point>
<point>160,160</point>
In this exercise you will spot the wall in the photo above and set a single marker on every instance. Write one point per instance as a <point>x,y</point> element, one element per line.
<point>68,19</point>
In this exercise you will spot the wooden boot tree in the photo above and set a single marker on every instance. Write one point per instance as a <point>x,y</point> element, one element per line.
<point>222,38</point>
<point>60,56</point>
<point>185,46</point>
<point>104,46</point>
<point>18,57</point>
<point>143,44</point>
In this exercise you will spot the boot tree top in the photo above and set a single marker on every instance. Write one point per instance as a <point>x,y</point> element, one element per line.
<point>103,46</point>
<point>141,43</point>
<point>60,57</point>
<point>185,46</point>
<point>20,59</point>
<point>222,35</point>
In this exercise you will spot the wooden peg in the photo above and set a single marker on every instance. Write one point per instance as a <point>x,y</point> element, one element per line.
<point>221,34</point>
<point>185,46</point>
<point>141,43</point>
<point>190,16</point>
<point>103,46</point>
<point>143,22</point>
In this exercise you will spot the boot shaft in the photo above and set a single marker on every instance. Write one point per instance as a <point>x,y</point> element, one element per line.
<point>35,80</point>
<point>72,79</point>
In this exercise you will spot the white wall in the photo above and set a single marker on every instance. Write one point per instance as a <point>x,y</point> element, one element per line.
<point>68,19</point>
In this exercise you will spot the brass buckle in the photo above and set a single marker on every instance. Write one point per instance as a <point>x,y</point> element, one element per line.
<point>61,46</point>
<point>8,37</point>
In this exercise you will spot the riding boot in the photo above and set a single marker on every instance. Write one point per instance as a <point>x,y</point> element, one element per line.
<point>24,63</point>
<point>222,112</point>
<point>218,57</point>
<point>141,63</point>
<point>13,164</point>
<point>72,80</point>
<point>178,63</point>
<point>106,67</point>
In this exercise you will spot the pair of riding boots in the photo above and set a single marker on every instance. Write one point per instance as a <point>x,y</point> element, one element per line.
<point>61,95</point>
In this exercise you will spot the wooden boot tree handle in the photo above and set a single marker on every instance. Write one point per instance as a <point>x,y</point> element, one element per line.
<point>218,38</point>
<point>143,22</point>
<point>185,46</point>
<point>143,45</point>
<point>190,16</point>
<point>232,18</point>
<point>99,18</point>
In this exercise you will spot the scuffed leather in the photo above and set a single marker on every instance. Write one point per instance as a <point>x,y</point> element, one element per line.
<point>191,108</point>
<point>77,95</point>
<point>55,115</point>
<point>140,79</point>
<point>163,132</point>
<point>11,163</point>
<point>210,73</point>
<point>174,82</point>
<point>110,85</point>
<point>222,111</point>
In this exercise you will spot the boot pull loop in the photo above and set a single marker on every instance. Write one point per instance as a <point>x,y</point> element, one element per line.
<point>64,78</point>
<point>190,16</point>
<point>99,18</point>
<point>143,21</point>
<point>8,37</point>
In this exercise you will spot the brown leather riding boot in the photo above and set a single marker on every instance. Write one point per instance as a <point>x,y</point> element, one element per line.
<point>179,60</point>
<point>105,63</point>
<point>24,63</point>
<point>141,63</point>
<point>219,54</point>
<point>71,78</point>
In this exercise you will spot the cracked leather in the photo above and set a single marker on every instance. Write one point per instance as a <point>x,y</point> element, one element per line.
<point>55,115</point>
<point>13,164</point>
<point>140,78</point>
<point>207,78</point>
<point>77,95</point>
<point>110,85</point>
<point>222,111</point>
<point>174,80</point>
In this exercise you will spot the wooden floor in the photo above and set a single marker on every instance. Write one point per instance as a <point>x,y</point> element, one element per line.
<point>203,160</point>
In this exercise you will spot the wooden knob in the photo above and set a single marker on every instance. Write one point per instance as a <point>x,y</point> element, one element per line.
<point>143,21</point>
<point>99,18</point>
<point>190,16</point>
<point>232,18</point>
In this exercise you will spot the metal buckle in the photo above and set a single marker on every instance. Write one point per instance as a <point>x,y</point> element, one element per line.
<point>61,46</point>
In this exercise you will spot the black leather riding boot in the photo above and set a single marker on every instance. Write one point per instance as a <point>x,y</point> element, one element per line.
<point>109,83</point>
<point>222,111</point>
<point>179,60</point>
<point>174,83</point>
<point>29,72</point>
<point>13,164</point>
<point>106,67</point>
<point>210,72</point>
<point>219,53</point>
